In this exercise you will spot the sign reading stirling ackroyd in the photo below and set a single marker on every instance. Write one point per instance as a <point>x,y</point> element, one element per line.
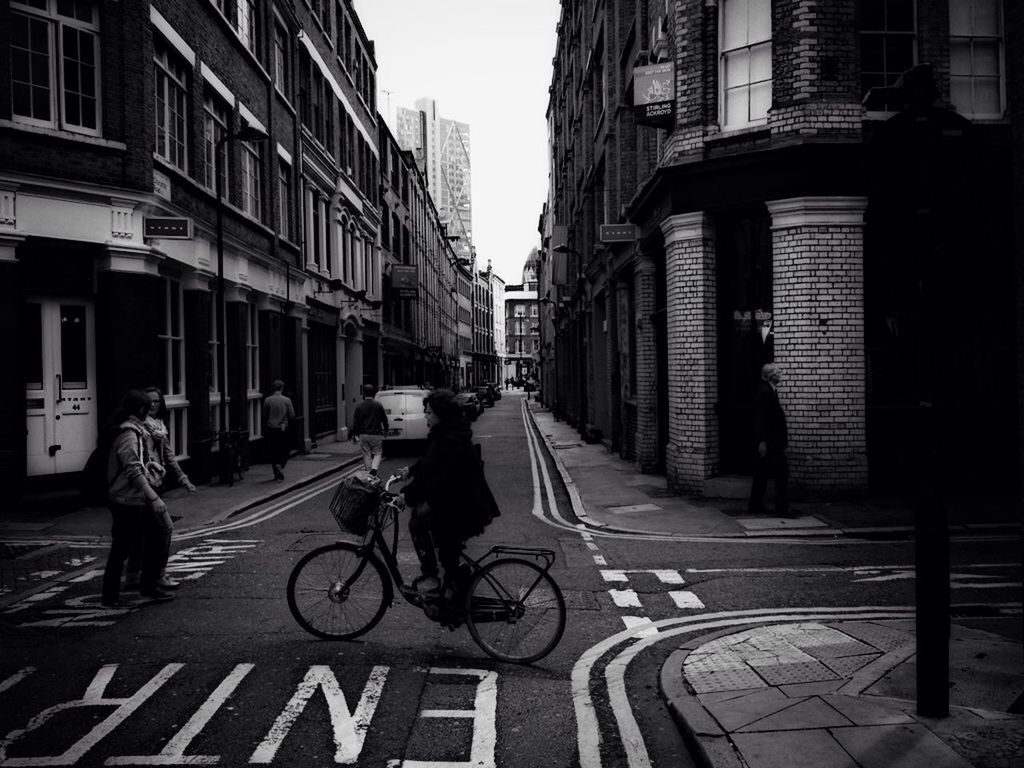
<point>654,93</point>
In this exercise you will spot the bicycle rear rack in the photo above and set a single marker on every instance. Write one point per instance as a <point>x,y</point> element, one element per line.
<point>547,555</point>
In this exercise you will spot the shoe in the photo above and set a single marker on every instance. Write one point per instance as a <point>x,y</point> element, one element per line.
<point>166,582</point>
<point>157,594</point>
<point>114,604</point>
<point>427,585</point>
<point>278,474</point>
<point>131,585</point>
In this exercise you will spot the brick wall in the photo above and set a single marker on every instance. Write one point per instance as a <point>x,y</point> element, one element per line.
<point>818,295</point>
<point>646,365</point>
<point>692,452</point>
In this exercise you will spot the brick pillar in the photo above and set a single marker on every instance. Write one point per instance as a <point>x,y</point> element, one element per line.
<point>818,304</point>
<point>614,374</point>
<point>692,454</point>
<point>646,365</point>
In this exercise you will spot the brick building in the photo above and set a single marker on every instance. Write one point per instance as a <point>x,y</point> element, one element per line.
<point>113,115</point>
<point>781,213</point>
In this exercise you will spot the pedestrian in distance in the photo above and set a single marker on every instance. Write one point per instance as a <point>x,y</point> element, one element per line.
<point>448,497</point>
<point>137,510</point>
<point>161,462</point>
<point>771,438</point>
<point>369,425</point>
<point>278,413</point>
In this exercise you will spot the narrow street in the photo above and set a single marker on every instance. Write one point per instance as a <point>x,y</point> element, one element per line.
<point>223,674</point>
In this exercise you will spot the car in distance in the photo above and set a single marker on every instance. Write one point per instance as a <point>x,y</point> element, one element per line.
<point>404,409</point>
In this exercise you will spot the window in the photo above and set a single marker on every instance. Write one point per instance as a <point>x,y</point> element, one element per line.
<point>284,197</point>
<point>886,42</point>
<point>55,75</point>
<point>248,25</point>
<point>252,371</point>
<point>171,335</point>
<point>976,58</point>
<point>282,65</point>
<point>215,127</point>
<point>252,199</point>
<point>171,88</point>
<point>746,62</point>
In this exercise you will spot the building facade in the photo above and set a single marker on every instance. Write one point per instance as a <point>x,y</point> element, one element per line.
<point>522,328</point>
<point>772,202</point>
<point>442,149</point>
<point>190,198</point>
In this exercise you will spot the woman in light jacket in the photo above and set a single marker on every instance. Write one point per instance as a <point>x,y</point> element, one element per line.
<point>136,507</point>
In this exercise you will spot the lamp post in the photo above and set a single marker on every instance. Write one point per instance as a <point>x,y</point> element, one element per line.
<point>248,133</point>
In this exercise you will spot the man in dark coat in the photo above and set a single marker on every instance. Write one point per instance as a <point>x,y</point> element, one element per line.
<point>448,499</point>
<point>772,441</point>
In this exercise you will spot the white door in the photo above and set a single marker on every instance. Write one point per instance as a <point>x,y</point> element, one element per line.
<point>60,385</point>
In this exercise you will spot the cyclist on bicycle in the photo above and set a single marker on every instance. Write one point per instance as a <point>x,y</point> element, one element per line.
<point>448,497</point>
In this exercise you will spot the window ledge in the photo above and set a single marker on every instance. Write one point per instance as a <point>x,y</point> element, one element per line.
<point>80,138</point>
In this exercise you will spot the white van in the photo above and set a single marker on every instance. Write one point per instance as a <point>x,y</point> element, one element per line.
<point>404,408</point>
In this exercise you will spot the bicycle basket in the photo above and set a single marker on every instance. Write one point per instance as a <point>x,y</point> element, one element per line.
<point>354,502</point>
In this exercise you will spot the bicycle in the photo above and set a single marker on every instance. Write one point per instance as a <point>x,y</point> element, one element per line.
<point>511,605</point>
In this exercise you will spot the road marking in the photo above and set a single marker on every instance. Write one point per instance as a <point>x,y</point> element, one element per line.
<point>599,560</point>
<point>173,752</point>
<point>588,727</point>
<point>483,714</point>
<point>592,546</point>
<point>641,626</point>
<point>686,600</point>
<point>16,678</point>
<point>349,728</point>
<point>93,698</point>
<point>613,575</point>
<point>625,598</point>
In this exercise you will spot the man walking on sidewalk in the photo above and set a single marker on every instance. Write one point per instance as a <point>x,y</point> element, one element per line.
<point>772,441</point>
<point>278,413</point>
<point>369,425</point>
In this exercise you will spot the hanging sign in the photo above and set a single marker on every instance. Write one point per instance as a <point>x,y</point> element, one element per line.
<point>654,93</point>
<point>405,280</point>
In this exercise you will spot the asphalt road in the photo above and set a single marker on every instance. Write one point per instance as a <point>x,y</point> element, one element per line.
<point>223,675</point>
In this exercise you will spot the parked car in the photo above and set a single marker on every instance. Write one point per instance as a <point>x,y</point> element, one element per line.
<point>471,405</point>
<point>484,393</point>
<point>495,389</point>
<point>404,408</point>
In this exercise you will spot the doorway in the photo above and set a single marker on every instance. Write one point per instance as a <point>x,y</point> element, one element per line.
<point>60,385</point>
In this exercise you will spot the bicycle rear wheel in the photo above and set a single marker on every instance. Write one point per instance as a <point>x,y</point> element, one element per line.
<point>338,592</point>
<point>515,611</point>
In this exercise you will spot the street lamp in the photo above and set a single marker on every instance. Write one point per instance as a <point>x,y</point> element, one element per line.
<point>247,133</point>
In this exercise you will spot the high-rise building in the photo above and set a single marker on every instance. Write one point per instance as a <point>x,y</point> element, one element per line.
<point>442,150</point>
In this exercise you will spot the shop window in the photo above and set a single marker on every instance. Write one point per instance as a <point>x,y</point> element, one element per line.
<point>171,335</point>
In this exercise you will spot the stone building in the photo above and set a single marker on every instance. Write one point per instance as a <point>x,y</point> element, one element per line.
<point>778,192</point>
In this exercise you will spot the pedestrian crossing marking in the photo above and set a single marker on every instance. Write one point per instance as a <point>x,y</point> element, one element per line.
<point>687,600</point>
<point>599,560</point>
<point>625,598</point>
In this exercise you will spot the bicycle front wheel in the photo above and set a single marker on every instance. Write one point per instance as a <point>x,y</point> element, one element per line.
<point>515,611</point>
<point>338,592</point>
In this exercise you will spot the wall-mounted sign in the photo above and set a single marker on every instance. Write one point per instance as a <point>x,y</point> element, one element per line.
<point>405,280</point>
<point>654,93</point>
<point>162,185</point>
<point>618,233</point>
<point>167,227</point>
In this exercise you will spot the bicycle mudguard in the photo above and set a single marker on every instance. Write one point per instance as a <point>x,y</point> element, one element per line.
<point>546,555</point>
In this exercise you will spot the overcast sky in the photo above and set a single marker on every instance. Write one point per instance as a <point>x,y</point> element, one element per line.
<point>487,63</point>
